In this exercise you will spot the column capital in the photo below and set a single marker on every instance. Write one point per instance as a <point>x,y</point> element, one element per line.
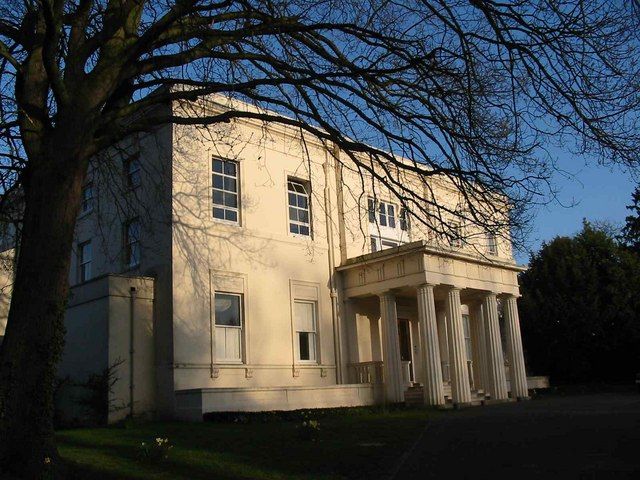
<point>509,295</point>
<point>489,293</point>
<point>451,288</point>
<point>426,285</point>
<point>387,294</point>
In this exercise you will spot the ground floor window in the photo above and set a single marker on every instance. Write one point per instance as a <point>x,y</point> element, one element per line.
<point>466,326</point>
<point>228,327</point>
<point>306,330</point>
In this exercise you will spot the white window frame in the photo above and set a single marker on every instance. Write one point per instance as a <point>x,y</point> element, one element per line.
<point>466,333</point>
<point>84,263</point>
<point>492,244</point>
<point>224,191</point>
<point>381,243</point>
<point>241,328</point>
<point>87,200</point>
<point>132,171</point>
<point>131,245</point>
<point>302,191</point>
<point>312,338</point>
<point>387,214</point>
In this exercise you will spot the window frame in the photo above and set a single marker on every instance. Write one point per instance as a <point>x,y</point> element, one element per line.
<point>86,203</point>
<point>492,244</point>
<point>241,328</point>
<point>131,174</point>
<point>467,336</point>
<point>456,241</point>
<point>82,276</point>
<point>314,332</point>
<point>306,186</point>
<point>378,243</point>
<point>384,214</point>
<point>403,220</point>
<point>127,243</point>
<point>224,191</point>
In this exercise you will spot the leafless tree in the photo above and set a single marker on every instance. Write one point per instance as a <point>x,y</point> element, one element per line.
<point>475,91</point>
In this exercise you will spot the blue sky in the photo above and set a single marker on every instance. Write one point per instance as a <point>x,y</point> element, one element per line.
<point>592,192</point>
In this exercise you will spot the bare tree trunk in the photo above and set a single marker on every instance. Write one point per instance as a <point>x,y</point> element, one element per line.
<point>35,330</point>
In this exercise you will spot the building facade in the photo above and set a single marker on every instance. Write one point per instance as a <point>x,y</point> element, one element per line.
<point>241,267</point>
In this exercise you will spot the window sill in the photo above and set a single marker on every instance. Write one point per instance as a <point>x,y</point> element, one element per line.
<point>226,222</point>
<point>224,363</point>
<point>299,236</point>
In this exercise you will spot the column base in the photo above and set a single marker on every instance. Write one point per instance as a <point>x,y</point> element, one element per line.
<point>523,399</point>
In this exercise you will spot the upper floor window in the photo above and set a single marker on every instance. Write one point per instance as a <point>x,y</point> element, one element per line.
<point>228,327</point>
<point>455,236</point>
<point>492,244</point>
<point>306,325</point>
<point>85,257</point>
<point>132,171</point>
<point>404,220</point>
<point>299,211</point>
<point>385,213</point>
<point>378,243</point>
<point>371,206</point>
<point>225,190</point>
<point>87,198</point>
<point>132,243</point>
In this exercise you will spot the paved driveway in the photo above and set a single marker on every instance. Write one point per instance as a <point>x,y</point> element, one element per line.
<point>578,436</point>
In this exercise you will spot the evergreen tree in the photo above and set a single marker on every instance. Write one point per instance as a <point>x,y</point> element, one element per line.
<point>579,309</point>
<point>631,230</point>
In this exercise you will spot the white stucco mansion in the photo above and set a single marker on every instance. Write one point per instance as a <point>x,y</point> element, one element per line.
<point>240,268</point>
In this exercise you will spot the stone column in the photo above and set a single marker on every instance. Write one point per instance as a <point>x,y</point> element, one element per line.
<point>518,374</point>
<point>431,367</point>
<point>392,365</point>
<point>479,346</point>
<point>460,390</point>
<point>495,361</point>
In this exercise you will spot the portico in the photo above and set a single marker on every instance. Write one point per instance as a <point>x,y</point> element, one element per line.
<point>450,302</point>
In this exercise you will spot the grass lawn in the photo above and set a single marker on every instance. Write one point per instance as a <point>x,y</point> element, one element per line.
<point>354,443</point>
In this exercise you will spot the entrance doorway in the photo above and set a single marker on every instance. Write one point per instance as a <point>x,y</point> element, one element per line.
<point>404,334</point>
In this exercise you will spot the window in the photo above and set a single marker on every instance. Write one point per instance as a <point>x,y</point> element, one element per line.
<point>228,327</point>
<point>85,256</point>
<point>132,171</point>
<point>378,243</point>
<point>299,211</point>
<point>386,213</point>
<point>492,244</point>
<point>305,323</point>
<point>87,198</point>
<point>225,190</point>
<point>132,243</point>
<point>455,238</point>
<point>404,220</point>
<point>466,326</point>
<point>371,206</point>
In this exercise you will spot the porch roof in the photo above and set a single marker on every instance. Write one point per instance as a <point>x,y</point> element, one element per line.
<point>415,263</point>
